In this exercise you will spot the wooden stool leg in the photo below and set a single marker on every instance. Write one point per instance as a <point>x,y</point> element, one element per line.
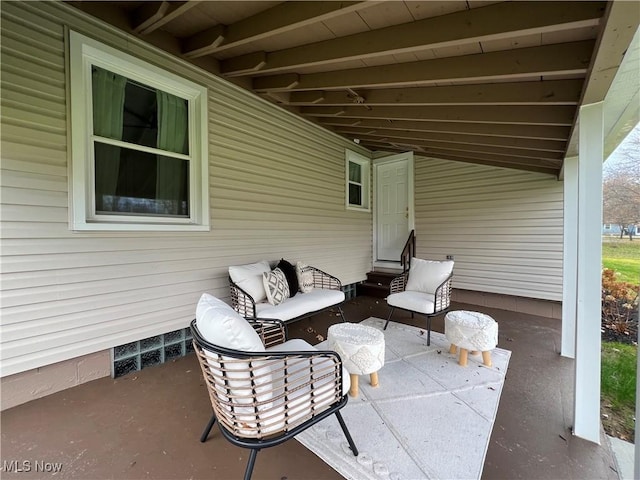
<point>463,357</point>
<point>453,349</point>
<point>374,379</point>
<point>353,391</point>
<point>486,358</point>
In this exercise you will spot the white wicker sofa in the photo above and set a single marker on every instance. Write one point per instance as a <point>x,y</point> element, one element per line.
<point>315,292</point>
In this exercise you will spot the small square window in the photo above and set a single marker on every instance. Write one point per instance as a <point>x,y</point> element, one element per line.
<point>357,181</point>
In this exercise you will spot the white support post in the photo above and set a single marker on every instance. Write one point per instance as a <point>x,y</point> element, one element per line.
<point>589,279</point>
<point>570,258</point>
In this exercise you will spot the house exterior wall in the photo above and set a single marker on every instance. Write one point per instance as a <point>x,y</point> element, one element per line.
<point>504,227</point>
<point>615,229</point>
<point>276,185</point>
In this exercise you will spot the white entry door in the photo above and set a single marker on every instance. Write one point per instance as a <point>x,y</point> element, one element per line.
<point>394,205</point>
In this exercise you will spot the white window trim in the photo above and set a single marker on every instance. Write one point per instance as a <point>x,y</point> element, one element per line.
<point>84,52</point>
<point>365,164</point>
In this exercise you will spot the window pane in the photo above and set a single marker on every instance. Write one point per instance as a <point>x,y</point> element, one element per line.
<point>136,113</point>
<point>355,194</point>
<point>140,115</point>
<point>355,172</point>
<point>138,183</point>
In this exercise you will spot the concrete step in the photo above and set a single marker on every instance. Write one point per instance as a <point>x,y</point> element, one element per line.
<point>380,278</point>
<point>372,290</point>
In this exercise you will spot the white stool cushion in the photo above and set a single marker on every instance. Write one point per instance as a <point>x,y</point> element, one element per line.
<point>415,301</point>
<point>471,330</point>
<point>360,347</point>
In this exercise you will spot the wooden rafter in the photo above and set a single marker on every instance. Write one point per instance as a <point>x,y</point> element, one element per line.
<point>559,59</point>
<point>529,115</point>
<point>553,92</point>
<point>152,15</point>
<point>544,132</point>
<point>451,30</point>
<point>438,138</point>
<point>280,19</point>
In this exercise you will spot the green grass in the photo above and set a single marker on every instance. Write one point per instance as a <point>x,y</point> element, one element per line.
<point>618,387</point>
<point>619,361</point>
<point>622,256</point>
<point>619,373</point>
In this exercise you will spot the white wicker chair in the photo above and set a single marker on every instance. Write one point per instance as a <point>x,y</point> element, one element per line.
<point>266,395</point>
<point>425,289</point>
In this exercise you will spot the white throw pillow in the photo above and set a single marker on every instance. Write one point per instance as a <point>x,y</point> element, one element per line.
<point>276,286</point>
<point>223,326</point>
<point>249,278</point>
<point>427,275</point>
<point>305,277</point>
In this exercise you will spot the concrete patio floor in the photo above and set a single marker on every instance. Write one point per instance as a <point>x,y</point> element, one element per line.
<point>147,424</point>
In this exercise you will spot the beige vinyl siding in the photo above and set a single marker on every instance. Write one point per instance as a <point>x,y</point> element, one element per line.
<point>276,190</point>
<point>504,227</point>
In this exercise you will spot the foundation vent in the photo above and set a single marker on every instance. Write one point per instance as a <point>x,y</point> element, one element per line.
<point>147,352</point>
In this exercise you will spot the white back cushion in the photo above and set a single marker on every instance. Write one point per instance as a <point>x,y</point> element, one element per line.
<point>427,275</point>
<point>223,326</point>
<point>249,278</point>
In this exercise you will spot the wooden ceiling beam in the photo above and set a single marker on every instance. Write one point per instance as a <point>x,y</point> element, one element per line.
<point>554,158</point>
<point>557,146</point>
<point>621,22</point>
<point>152,15</point>
<point>544,132</point>
<point>552,92</point>
<point>452,30</point>
<point>282,18</point>
<point>517,165</point>
<point>529,115</point>
<point>569,58</point>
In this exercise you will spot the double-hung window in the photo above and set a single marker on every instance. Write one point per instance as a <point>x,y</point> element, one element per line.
<point>357,181</point>
<point>139,143</point>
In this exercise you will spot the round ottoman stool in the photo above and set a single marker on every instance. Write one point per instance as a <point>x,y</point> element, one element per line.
<point>471,331</point>
<point>361,349</point>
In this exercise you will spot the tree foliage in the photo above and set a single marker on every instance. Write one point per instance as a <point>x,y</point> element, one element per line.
<point>621,185</point>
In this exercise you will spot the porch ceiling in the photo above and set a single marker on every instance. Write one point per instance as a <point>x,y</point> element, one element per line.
<point>494,83</point>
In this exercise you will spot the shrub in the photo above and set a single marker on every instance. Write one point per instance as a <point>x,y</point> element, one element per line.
<point>619,307</point>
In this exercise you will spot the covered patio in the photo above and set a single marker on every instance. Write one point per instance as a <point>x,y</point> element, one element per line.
<point>498,116</point>
<point>147,424</point>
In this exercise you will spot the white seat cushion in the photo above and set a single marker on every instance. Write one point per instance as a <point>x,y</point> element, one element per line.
<point>414,301</point>
<point>299,345</point>
<point>427,275</point>
<point>301,406</point>
<point>301,304</point>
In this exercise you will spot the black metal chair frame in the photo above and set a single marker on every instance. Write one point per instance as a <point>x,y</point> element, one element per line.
<point>272,332</point>
<point>441,304</point>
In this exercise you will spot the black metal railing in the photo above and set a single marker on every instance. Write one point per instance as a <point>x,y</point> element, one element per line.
<point>408,252</point>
